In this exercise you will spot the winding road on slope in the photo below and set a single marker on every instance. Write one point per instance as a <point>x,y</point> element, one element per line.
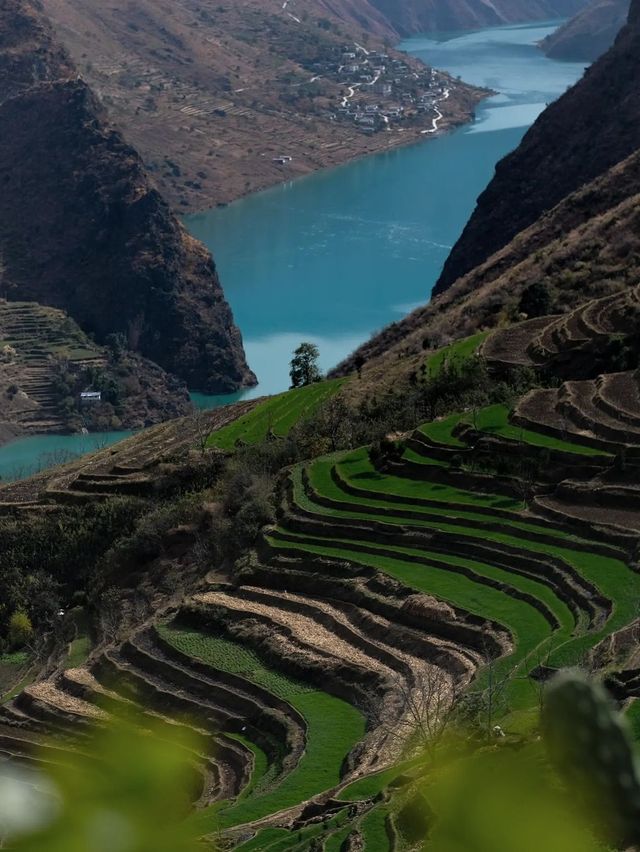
<point>439,117</point>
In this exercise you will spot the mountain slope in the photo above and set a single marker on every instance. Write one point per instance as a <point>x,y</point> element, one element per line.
<point>590,33</point>
<point>588,246</point>
<point>213,96</point>
<point>82,229</point>
<point>595,125</point>
<point>415,16</point>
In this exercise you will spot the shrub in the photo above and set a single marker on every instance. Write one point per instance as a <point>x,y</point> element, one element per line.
<point>20,630</point>
<point>536,300</point>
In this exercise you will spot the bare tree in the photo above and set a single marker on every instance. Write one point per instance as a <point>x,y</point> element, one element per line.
<point>110,613</point>
<point>336,419</point>
<point>525,481</point>
<point>480,708</point>
<point>423,711</point>
<point>200,424</point>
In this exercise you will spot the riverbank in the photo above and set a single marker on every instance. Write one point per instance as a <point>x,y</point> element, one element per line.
<point>260,108</point>
<point>328,144</point>
<point>341,254</point>
<point>338,255</point>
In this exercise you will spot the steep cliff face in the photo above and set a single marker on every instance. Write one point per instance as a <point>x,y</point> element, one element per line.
<point>82,229</point>
<point>415,16</point>
<point>590,33</point>
<point>595,125</point>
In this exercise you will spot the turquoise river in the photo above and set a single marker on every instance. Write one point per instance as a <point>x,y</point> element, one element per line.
<point>335,256</point>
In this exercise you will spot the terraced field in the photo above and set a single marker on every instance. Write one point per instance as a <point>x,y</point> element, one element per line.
<point>332,726</point>
<point>299,667</point>
<point>33,338</point>
<point>130,467</point>
<point>371,579</point>
<point>275,416</point>
<point>556,592</point>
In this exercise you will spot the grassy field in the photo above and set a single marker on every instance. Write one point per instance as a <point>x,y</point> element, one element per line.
<point>614,579</point>
<point>276,415</point>
<point>322,481</point>
<point>440,431</point>
<point>440,508</point>
<point>333,729</point>
<point>14,674</point>
<point>495,421</point>
<point>81,646</point>
<point>332,831</point>
<point>456,352</point>
<point>373,830</point>
<point>356,467</point>
<point>79,650</point>
<point>527,625</point>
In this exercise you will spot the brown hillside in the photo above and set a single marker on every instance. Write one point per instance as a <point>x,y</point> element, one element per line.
<point>212,96</point>
<point>595,125</point>
<point>82,229</point>
<point>590,33</point>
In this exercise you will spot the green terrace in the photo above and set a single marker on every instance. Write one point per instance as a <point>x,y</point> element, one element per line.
<point>333,728</point>
<point>495,420</point>
<point>275,416</point>
<point>455,353</point>
<point>331,833</point>
<point>556,593</point>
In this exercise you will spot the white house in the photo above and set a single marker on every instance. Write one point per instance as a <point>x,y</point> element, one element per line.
<point>88,397</point>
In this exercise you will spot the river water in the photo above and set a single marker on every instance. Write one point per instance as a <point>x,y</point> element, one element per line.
<point>335,256</point>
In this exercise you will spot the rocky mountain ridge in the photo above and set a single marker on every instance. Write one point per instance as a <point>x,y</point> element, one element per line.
<point>595,125</point>
<point>590,33</point>
<point>82,229</point>
<point>584,245</point>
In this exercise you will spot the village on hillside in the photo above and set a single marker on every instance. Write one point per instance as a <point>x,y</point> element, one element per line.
<point>378,90</point>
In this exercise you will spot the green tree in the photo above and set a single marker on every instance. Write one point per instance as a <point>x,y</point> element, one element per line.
<point>20,629</point>
<point>304,366</point>
<point>536,300</point>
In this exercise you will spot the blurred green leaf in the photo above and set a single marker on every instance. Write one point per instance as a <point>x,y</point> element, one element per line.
<point>128,791</point>
<point>505,801</point>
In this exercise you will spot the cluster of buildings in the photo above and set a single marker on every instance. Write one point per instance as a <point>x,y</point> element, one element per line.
<point>379,90</point>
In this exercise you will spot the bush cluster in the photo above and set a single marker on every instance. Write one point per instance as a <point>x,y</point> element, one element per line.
<point>40,570</point>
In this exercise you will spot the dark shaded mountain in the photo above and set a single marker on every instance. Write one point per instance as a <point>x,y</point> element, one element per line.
<point>590,33</point>
<point>408,17</point>
<point>587,247</point>
<point>595,125</point>
<point>82,229</point>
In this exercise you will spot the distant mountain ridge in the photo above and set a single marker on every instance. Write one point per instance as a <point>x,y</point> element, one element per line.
<point>590,33</point>
<point>408,17</point>
<point>595,125</point>
<point>82,229</point>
